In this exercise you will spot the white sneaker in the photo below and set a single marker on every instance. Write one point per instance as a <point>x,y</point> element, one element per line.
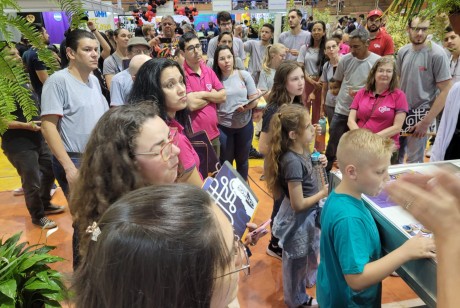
<point>18,192</point>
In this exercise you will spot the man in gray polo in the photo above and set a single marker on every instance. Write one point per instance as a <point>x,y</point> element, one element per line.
<point>296,37</point>
<point>351,73</point>
<point>423,68</point>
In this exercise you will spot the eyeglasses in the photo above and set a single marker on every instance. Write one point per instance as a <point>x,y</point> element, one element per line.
<point>417,29</point>
<point>194,48</point>
<point>241,259</point>
<point>332,47</point>
<point>166,149</point>
<point>141,51</point>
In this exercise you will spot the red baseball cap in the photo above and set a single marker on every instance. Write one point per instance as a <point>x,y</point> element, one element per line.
<point>378,13</point>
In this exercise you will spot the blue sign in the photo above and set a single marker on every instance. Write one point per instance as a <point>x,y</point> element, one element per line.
<point>100,14</point>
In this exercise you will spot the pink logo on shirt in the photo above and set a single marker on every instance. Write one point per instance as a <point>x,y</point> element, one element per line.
<point>209,87</point>
<point>422,68</point>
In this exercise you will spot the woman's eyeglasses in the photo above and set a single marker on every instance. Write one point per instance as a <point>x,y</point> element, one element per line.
<point>166,149</point>
<point>241,259</point>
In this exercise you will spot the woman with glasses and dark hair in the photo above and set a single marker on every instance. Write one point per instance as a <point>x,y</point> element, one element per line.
<point>162,82</point>
<point>162,246</point>
<point>130,147</point>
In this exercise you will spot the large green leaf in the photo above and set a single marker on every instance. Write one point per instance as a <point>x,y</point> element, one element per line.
<point>34,259</point>
<point>8,288</point>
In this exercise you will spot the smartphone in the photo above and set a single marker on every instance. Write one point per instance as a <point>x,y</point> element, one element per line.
<point>165,40</point>
<point>261,230</point>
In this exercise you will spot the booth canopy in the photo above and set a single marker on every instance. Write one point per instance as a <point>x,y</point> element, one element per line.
<point>46,6</point>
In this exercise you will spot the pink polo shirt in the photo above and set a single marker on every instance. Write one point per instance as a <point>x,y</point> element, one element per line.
<point>344,49</point>
<point>383,116</point>
<point>187,156</point>
<point>206,117</point>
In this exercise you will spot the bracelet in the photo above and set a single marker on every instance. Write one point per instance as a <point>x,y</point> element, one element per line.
<point>93,30</point>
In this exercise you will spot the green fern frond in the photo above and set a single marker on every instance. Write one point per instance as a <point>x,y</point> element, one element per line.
<point>10,4</point>
<point>74,11</point>
<point>36,41</point>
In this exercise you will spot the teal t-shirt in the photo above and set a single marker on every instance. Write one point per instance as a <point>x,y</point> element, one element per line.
<point>349,240</point>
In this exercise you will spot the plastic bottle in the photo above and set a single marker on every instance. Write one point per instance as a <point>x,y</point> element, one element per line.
<point>322,123</point>
<point>320,171</point>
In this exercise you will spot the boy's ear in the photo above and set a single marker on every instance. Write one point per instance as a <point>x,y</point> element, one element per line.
<point>350,172</point>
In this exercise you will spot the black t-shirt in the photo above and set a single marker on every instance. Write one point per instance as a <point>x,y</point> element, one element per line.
<point>33,64</point>
<point>269,111</point>
<point>18,140</point>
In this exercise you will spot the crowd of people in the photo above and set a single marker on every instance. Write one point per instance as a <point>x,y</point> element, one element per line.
<point>115,127</point>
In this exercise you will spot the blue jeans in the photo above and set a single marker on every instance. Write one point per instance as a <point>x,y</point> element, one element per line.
<point>413,147</point>
<point>337,128</point>
<point>235,144</point>
<point>59,173</point>
<point>37,178</point>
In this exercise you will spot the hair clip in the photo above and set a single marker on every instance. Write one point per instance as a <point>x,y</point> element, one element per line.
<point>94,230</point>
<point>279,115</point>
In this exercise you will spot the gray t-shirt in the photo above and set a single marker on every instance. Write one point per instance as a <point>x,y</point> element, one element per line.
<point>294,41</point>
<point>266,80</point>
<point>419,71</point>
<point>112,65</point>
<point>238,49</point>
<point>309,57</point>
<point>121,86</point>
<point>238,88</point>
<point>353,73</point>
<point>294,167</point>
<point>80,105</point>
<point>256,51</point>
<point>328,73</point>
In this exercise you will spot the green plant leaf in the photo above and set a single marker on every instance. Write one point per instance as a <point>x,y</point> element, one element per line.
<point>8,288</point>
<point>34,259</point>
<point>40,285</point>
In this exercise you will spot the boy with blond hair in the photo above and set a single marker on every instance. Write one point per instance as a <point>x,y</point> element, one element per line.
<point>352,267</point>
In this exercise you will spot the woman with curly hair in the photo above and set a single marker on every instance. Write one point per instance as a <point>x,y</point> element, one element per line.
<point>130,147</point>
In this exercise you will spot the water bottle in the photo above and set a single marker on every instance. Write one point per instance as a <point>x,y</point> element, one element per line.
<point>322,123</point>
<point>320,171</point>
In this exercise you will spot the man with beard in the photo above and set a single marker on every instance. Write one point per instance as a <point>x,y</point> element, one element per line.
<point>380,42</point>
<point>452,43</point>
<point>423,68</point>
<point>256,49</point>
<point>36,68</point>
<point>296,37</point>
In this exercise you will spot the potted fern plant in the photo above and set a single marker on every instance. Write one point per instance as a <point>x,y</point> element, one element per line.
<point>13,77</point>
<point>26,280</point>
<point>433,7</point>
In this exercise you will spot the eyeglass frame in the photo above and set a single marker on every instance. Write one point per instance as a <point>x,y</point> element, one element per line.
<point>147,52</point>
<point>194,48</point>
<point>171,140</point>
<point>245,268</point>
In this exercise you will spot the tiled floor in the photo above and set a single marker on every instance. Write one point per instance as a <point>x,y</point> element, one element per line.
<point>263,288</point>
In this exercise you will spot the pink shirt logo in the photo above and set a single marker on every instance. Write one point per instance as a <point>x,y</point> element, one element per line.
<point>209,87</point>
